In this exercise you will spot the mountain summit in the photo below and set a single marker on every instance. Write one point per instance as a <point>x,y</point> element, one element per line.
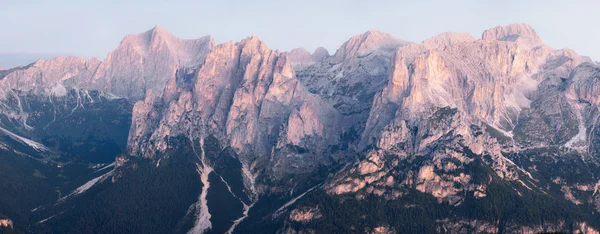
<point>521,33</point>
<point>368,41</point>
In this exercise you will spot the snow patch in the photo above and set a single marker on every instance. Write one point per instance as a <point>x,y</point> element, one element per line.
<point>37,146</point>
<point>291,202</point>
<point>106,167</point>
<point>46,219</point>
<point>89,184</point>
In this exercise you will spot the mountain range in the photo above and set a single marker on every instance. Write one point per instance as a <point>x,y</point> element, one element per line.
<point>455,134</point>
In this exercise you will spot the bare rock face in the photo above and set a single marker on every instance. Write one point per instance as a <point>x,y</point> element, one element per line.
<point>490,81</point>
<point>363,44</point>
<point>147,61</point>
<point>320,54</point>
<point>140,63</point>
<point>349,79</point>
<point>140,67</point>
<point>44,74</point>
<point>454,117</point>
<point>585,84</point>
<point>305,214</point>
<point>520,33</point>
<point>452,99</point>
<point>247,96</point>
<point>300,57</point>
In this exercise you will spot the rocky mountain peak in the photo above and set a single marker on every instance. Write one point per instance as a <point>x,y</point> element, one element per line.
<point>148,60</point>
<point>521,33</point>
<point>300,57</point>
<point>448,38</point>
<point>366,42</point>
<point>252,45</point>
<point>320,54</point>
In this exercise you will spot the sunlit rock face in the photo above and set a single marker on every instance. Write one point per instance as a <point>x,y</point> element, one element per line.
<point>485,80</point>
<point>147,61</point>
<point>47,74</point>
<point>140,63</point>
<point>453,118</point>
<point>453,99</point>
<point>247,96</point>
<point>523,34</point>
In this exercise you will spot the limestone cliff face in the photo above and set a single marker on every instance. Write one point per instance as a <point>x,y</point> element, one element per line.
<point>365,43</point>
<point>140,63</point>
<point>490,81</point>
<point>147,61</point>
<point>247,96</point>
<point>585,84</point>
<point>452,99</point>
<point>46,74</point>
<point>6,223</point>
<point>520,33</point>
<point>301,58</point>
<point>349,79</point>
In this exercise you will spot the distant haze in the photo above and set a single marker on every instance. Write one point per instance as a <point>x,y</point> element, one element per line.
<point>93,28</point>
<point>9,60</point>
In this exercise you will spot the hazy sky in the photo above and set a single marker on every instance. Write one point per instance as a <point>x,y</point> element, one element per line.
<point>93,28</point>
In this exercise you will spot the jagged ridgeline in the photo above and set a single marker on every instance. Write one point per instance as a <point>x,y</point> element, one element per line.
<point>451,135</point>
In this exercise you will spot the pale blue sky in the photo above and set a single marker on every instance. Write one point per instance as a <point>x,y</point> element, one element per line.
<point>93,28</point>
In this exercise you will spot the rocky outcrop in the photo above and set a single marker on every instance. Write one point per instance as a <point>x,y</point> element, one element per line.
<point>523,34</point>
<point>48,75</point>
<point>585,83</point>
<point>301,58</point>
<point>320,54</point>
<point>6,223</point>
<point>305,214</point>
<point>142,64</point>
<point>452,99</point>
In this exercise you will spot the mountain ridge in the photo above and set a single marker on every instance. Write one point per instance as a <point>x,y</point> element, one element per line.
<point>496,134</point>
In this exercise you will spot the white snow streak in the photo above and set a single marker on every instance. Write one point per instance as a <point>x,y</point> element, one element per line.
<point>89,184</point>
<point>37,146</point>
<point>46,219</point>
<point>291,202</point>
<point>106,167</point>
